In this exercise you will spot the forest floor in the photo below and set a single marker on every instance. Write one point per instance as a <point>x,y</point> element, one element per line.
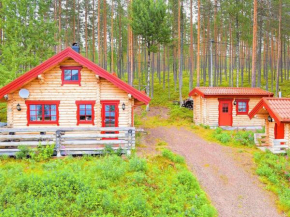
<point>227,174</point>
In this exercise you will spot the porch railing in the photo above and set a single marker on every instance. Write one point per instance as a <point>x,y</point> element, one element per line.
<point>68,140</point>
<point>279,146</point>
<point>260,139</point>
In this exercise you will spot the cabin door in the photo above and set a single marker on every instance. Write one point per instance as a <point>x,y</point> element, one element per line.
<point>225,113</point>
<point>110,115</point>
<point>279,131</point>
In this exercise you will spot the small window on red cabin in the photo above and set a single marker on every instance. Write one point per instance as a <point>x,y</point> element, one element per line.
<point>242,106</point>
<point>85,112</point>
<point>42,112</point>
<point>71,75</point>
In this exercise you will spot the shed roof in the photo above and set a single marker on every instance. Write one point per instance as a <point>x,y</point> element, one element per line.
<point>58,58</point>
<point>230,91</point>
<point>278,108</point>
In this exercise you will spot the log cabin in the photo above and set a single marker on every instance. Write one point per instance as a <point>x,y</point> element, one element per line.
<point>227,107</point>
<point>67,93</point>
<point>275,112</point>
<point>70,90</point>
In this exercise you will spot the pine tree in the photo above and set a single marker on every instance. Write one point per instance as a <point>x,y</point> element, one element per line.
<point>150,22</point>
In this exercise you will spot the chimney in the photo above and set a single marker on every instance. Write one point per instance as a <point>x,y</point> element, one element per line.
<point>75,47</point>
<point>280,94</point>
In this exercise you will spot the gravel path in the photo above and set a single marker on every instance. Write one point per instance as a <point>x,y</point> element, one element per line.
<point>225,174</point>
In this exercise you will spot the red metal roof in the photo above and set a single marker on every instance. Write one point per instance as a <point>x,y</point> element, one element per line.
<point>230,91</point>
<point>278,108</point>
<point>58,58</point>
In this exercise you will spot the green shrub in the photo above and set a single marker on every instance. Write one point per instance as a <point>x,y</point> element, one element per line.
<point>42,152</point>
<point>137,164</point>
<point>102,186</point>
<point>173,157</point>
<point>24,152</point>
<point>221,135</point>
<point>205,126</point>
<point>245,138</point>
<point>275,169</point>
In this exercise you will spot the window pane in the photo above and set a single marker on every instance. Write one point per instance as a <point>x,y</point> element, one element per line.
<point>88,112</point>
<point>39,117</point>
<point>53,107</point>
<point>242,107</point>
<point>67,75</point>
<point>32,118</point>
<point>47,118</point>
<point>89,106</point>
<point>75,75</point>
<point>39,107</point>
<point>32,112</point>
<point>88,118</point>
<point>82,112</point>
<point>32,107</point>
<point>82,118</point>
<point>82,106</point>
<point>53,118</point>
<point>53,112</point>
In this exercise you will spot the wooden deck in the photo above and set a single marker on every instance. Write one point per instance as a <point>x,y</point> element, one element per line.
<point>277,146</point>
<point>68,140</point>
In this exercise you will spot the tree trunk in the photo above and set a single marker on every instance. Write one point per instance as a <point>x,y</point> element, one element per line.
<point>93,33</point>
<point>198,47</point>
<point>279,48</point>
<point>191,50</point>
<point>254,54</point>
<point>112,38</point>
<point>148,75</point>
<point>105,35</point>
<point>99,32</point>
<point>86,27</point>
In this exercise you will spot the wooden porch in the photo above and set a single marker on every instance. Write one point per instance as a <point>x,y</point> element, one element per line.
<point>68,140</point>
<point>276,146</point>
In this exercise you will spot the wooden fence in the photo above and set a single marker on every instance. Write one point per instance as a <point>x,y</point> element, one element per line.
<point>68,140</point>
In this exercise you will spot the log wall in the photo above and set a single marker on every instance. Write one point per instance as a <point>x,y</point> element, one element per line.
<point>49,87</point>
<point>206,111</point>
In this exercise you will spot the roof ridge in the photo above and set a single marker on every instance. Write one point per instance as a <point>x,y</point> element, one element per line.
<point>59,57</point>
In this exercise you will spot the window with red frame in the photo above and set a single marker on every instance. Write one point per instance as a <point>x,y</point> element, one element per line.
<point>242,106</point>
<point>42,112</point>
<point>85,112</point>
<point>71,75</point>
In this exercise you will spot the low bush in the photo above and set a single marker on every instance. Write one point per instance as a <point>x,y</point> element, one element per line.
<point>101,186</point>
<point>275,172</point>
<point>244,138</point>
<point>221,135</point>
<point>173,157</point>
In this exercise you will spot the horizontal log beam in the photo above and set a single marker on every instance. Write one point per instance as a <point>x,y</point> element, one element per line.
<point>66,129</point>
<point>6,137</point>
<point>26,143</point>
<point>100,142</point>
<point>83,136</point>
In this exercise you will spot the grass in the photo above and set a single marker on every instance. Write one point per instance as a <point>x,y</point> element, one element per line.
<point>102,186</point>
<point>274,171</point>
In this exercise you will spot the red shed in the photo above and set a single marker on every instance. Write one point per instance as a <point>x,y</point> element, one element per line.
<point>226,106</point>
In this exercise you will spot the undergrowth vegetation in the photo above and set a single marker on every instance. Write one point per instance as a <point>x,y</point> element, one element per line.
<point>40,153</point>
<point>274,170</point>
<point>101,186</point>
<point>238,137</point>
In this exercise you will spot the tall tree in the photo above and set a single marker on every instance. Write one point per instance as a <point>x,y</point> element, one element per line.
<point>279,48</point>
<point>150,22</point>
<point>198,47</point>
<point>254,51</point>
